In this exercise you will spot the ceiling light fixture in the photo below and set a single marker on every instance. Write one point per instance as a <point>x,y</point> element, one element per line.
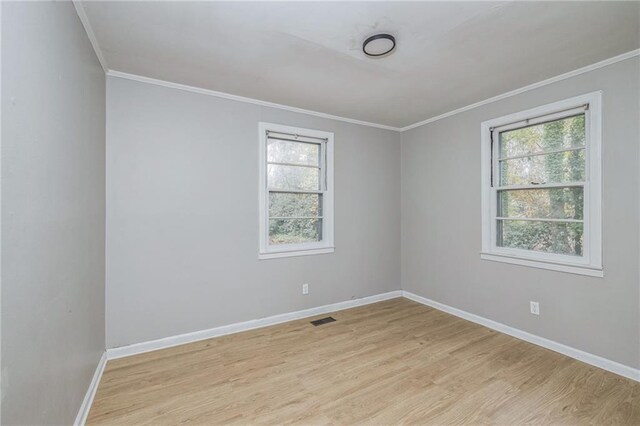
<point>379,45</point>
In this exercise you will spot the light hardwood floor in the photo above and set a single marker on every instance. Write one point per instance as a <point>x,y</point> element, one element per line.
<point>391,362</point>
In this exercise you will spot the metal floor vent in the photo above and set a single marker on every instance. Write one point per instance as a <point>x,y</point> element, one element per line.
<point>323,321</point>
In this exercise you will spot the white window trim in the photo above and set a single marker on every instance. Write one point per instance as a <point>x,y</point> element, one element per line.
<point>591,263</point>
<point>326,245</point>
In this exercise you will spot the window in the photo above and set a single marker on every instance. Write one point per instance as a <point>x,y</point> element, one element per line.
<point>296,191</point>
<point>541,186</point>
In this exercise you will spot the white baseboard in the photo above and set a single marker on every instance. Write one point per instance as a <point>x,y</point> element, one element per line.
<point>83,413</point>
<point>596,361</point>
<point>181,339</point>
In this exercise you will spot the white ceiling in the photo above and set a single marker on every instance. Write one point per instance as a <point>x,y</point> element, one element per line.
<point>308,54</point>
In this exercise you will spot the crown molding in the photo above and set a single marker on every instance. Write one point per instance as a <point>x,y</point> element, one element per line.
<point>533,86</point>
<point>237,98</point>
<point>505,95</point>
<point>113,73</point>
<point>89,30</point>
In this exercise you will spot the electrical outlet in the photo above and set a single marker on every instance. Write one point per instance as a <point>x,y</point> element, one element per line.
<point>535,308</point>
<point>305,288</point>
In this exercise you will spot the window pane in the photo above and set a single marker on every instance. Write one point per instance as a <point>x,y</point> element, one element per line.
<point>295,205</point>
<point>554,203</point>
<point>293,177</point>
<point>293,152</point>
<point>565,133</point>
<point>549,237</point>
<point>568,166</point>
<point>294,231</point>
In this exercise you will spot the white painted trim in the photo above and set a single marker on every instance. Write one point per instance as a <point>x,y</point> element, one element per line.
<point>90,34</point>
<point>187,88</point>
<point>579,270</point>
<point>295,253</point>
<point>181,339</point>
<point>496,98</point>
<point>590,263</point>
<point>528,88</point>
<point>595,360</point>
<point>326,244</point>
<point>83,413</point>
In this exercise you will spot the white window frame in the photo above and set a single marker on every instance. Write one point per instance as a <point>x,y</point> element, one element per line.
<point>591,262</point>
<point>325,245</point>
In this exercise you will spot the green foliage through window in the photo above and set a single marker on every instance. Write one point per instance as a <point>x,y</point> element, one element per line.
<point>294,177</point>
<point>534,162</point>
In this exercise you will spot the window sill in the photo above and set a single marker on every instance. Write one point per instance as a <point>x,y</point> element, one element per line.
<point>570,269</point>
<point>294,253</point>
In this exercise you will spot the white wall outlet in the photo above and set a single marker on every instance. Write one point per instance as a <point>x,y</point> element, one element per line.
<point>535,308</point>
<point>305,288</point>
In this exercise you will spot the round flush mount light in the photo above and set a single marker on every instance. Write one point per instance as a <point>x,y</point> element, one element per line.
<point>379,45</point>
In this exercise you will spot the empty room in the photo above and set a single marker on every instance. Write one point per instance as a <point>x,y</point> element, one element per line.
<point>320,213</point>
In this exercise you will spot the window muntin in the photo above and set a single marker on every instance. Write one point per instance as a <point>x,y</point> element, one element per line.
<point>296,190</point>
<point>542,185</point>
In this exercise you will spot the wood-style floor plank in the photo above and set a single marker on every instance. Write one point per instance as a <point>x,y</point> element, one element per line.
<point>393,362</point>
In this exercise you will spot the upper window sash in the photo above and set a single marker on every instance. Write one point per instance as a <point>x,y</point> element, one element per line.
<point>496,158</point>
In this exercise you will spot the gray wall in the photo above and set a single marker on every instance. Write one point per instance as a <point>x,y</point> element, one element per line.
<point>182,215</point>
<point>53,166</point>
<point>441,225</point>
